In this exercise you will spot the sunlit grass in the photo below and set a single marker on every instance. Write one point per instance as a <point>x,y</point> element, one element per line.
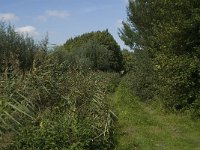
<point>143,126</point>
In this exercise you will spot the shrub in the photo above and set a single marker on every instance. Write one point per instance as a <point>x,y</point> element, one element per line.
<point>73,112</point>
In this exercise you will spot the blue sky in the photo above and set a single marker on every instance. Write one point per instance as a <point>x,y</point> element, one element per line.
<point>63,19</point>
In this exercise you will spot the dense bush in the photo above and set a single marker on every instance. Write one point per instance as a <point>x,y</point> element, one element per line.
<point>96,56</point>
<point>105,42</point>
<point>72,112</point>
<point>140,76</point>
<point>178,86</point>
<point>128,60</point>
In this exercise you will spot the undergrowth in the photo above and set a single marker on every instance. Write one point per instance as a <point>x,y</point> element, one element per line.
<point>70,111</point>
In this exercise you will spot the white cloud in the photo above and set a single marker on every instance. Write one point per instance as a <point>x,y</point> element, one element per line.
<point>54,14</point>
<point>30,30</point>
<point>8,17</point>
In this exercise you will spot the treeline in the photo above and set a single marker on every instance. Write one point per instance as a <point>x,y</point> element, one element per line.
<point>165,38</point>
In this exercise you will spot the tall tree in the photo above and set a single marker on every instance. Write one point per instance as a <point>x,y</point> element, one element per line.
<point>135,33</point>
<point>169,31</point>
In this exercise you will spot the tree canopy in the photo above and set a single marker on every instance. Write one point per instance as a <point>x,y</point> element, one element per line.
<point>169,32</point>
<point>104,41</point>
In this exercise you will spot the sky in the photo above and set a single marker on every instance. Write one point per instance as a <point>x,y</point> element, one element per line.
<point>64,19</point>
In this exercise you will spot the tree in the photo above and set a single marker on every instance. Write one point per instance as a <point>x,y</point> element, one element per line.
<point>168,31</point>
<point>106,40</point>
<point>17,51</point>
<point>135,35</point>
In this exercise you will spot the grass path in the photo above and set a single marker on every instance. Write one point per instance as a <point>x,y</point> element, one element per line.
<point>143,127</point>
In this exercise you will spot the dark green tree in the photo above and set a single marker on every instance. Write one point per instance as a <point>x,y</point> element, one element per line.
<point>106,40</point>
<point>169,32</point>
<point>135,35</point>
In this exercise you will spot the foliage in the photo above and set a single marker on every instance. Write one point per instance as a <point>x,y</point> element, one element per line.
<point>128,60</point>
<point>72,112</point>
<point>141,78</point>
<point>18,52</point>
<point>58,130</point>
<point>56,104</point>
<point>179,85</point>
<point>168,32</point>
<point>97,55</point>
<point>106,40</point>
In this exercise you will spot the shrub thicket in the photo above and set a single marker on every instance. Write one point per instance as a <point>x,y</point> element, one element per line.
<point>70,109</point>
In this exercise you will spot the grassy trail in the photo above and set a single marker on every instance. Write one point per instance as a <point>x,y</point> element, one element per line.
<point>144,127</point>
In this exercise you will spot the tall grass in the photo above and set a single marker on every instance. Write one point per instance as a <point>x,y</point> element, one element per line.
<point>14,106</point>
<point>65,109</point>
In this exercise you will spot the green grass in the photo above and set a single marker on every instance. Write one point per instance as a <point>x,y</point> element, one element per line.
<point>142,126</point>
